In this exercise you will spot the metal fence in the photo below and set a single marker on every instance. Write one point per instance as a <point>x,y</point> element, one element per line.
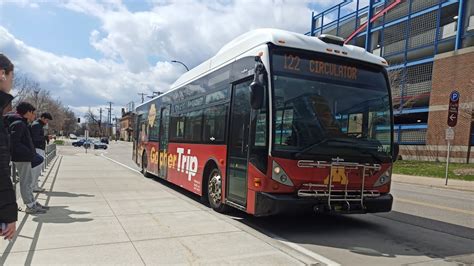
<point>408,36</point>
<point>50,152</point>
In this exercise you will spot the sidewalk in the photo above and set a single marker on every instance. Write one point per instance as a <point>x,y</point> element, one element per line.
<point>434,182</point>
<point>104,213</point>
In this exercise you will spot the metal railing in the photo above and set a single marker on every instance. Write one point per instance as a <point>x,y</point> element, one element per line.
<point>50,153</point>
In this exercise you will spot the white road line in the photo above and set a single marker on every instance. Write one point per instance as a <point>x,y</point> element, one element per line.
<point>305,251</point>
<point>126,166</point>
<point>294,246</point>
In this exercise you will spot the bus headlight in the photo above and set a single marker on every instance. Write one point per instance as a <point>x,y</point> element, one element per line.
<point>277,170</point>
<point>279,175</point>
<point>384,178</point>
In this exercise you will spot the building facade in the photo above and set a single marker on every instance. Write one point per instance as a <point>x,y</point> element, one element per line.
<point>126,126</point>
<point>429,45</point>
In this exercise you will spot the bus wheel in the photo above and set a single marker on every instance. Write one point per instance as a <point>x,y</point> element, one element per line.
<point>214,191</point>
<point>144,165</point>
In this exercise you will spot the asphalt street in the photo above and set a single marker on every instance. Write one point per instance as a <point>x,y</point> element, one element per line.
<point>428,226</point>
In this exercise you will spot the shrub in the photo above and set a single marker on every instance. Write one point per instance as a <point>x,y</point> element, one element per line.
<point>59,142</point>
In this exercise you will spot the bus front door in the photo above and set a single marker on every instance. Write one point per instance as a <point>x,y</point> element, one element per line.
<point>238,144</point>
<point>163,155</point>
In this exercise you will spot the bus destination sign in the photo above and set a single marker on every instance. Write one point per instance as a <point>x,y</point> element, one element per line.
<point>294,63</point>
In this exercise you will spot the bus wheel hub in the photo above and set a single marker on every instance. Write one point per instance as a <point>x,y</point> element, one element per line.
<point>215,190</point>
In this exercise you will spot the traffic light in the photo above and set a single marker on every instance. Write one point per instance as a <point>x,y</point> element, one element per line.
<point>78,120</point>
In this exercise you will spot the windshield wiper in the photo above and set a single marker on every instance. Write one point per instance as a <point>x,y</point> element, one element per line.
<point>372,154</point>
<point>312,146</point>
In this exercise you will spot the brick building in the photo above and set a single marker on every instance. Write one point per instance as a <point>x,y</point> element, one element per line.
<point>127,125</point>
<point>429,45</point>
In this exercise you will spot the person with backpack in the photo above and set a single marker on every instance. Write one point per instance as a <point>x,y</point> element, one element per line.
<point>8,205</point>
<point>39,140</point>
<point>24,154</point>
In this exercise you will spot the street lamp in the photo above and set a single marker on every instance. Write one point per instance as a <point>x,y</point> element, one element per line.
<point>179,62</point>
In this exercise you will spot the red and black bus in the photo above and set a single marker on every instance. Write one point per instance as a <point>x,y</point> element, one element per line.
<point>273,122</point>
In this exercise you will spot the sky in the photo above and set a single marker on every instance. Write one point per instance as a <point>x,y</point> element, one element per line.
<point>89,52</point>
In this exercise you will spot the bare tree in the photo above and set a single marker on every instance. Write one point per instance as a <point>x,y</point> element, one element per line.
<point>70,122</point>
<point>26,89</point>
<point>23,86</point>
<point>93,123</point>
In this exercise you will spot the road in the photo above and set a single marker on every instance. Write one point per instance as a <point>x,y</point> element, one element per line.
<point>428,226</point>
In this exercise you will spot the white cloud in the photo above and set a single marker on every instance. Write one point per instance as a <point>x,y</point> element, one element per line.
<point>85,82</point>
<point>189,31</point>
<point>137,47</point>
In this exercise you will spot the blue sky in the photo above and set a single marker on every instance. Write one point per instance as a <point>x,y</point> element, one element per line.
<point>51,28</point>
<point>90,52</point>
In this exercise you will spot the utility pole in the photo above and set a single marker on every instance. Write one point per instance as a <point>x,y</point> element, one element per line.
<point>109,119</point>
<point>143,96</point>
<point>100,122</point>
<point>116,129</point>
<point>179,62</point>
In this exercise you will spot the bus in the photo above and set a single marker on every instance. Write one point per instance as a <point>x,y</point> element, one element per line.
<point>276,121</point>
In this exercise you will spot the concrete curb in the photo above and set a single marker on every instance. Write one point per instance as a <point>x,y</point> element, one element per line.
<point>434,182</point>
<point>436,186</point>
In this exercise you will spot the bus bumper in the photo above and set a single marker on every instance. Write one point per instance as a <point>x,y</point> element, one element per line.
<point>270,204</point>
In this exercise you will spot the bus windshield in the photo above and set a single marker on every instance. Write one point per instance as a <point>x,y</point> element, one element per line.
<point>325,108</point>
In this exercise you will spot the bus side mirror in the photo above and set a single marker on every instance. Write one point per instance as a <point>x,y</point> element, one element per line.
<point>396,150</point>
<point>257,88</point>
<point>256,95</point>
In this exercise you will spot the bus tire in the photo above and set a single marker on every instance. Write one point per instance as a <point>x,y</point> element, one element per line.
<point>214,191</point>
<point>144,166</point>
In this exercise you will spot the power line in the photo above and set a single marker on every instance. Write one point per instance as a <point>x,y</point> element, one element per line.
<point>155,94</point>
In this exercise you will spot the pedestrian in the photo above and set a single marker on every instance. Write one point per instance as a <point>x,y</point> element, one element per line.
<point>23,154</point>
<point>39,140</point>
<point>8,205</point>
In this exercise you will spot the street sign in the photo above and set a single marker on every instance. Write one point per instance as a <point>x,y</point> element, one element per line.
<point>453,108</point>
<point>449,133</point>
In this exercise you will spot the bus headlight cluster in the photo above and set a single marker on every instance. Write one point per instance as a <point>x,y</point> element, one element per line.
<point>384,178</point>
<point>279,175</point>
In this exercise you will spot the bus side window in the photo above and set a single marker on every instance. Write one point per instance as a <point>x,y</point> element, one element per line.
<point>193,126</point>
<point>176,127</point>
<point>214,123</point>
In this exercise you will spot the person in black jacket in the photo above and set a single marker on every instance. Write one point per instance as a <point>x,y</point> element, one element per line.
<point>8,205</point>
<point>23,153</point>
<point>37,134</point>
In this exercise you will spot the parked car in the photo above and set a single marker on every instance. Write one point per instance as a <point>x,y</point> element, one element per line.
<point>78,143</point>
<point>88,143</point>
<point>72,136</point>
<point>104,140</point>
<point>100,145</point>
